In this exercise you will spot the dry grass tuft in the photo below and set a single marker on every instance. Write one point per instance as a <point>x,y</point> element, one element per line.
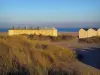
<point>51,38</point>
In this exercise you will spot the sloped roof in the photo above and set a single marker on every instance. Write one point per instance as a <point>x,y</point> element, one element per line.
<point>90,28</point>
<point>85,28</point>
<point>95,28</point>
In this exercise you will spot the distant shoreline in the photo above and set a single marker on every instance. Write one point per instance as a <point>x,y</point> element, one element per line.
<point>59,29</point>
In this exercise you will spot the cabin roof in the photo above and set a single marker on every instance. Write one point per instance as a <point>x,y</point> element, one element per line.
<point>95,28</point>
<point>90,28</point>
<point>85,28</point>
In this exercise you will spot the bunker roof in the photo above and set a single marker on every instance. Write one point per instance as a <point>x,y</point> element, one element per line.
<point>31,28</point>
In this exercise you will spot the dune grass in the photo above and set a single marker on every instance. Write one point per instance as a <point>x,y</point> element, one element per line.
<point>20,54</point>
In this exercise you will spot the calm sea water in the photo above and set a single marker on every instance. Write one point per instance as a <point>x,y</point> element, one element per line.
<point>4,29</point>
<point>68,29</point>
<point>59,29</point>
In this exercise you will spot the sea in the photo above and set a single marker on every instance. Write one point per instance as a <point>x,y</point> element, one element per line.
<point>59,29</point>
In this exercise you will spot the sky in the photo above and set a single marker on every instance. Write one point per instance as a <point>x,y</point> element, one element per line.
<point>57,13</point>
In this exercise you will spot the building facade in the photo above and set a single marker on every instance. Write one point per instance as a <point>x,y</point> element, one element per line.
<point>45,32</point>
<point>98,32</point>
<point>82,33</point>
<point>91,32</point>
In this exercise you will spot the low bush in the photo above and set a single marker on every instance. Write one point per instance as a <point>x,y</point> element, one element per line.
<point>51,38</point>
<point>90,40</point>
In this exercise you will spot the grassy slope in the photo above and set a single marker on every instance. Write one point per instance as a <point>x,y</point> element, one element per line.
<point>39,56</point>
<point>83,68</point>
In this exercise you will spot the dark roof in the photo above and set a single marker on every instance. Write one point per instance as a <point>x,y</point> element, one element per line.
<point>89,28</point>
<point>85,28</point>
<point>95,28</point>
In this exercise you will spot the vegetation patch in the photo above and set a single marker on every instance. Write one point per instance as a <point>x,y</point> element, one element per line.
<point>90,40</point>
<point>51,38</point>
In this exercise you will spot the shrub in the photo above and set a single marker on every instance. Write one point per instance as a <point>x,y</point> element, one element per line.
<point>90,40</point>
<point>51,38</point>
<point>41,46</point>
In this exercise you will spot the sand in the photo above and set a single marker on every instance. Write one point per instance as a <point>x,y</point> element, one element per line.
<point>68,33</point>
<point>3,33</point>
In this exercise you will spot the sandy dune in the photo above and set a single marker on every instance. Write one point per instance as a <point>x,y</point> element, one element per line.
<point>90,52</point>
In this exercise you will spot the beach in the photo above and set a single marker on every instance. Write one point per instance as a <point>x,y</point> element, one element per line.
<point>3,33</point>
<point>68,33</point>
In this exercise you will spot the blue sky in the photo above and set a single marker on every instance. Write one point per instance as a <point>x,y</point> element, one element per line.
<point>58,13</point>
